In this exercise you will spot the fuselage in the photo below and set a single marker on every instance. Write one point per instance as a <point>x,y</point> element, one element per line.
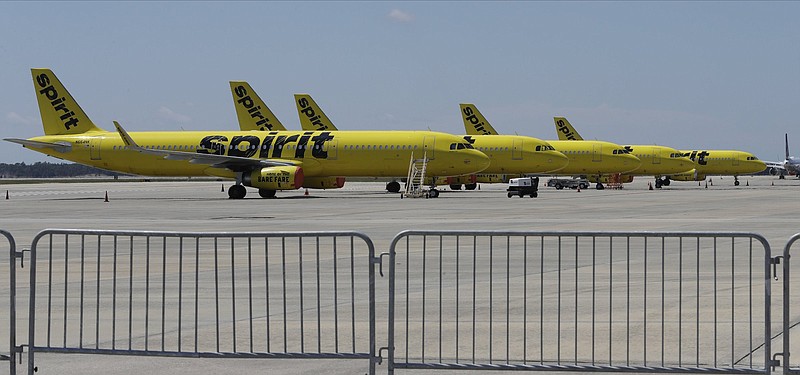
<point>594,157</point>
<point>328,153</point>
<point>659,160</point>
<point>720,163</point>
<point>518,154</point>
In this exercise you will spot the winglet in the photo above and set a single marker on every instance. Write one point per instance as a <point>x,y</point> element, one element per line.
<point>565,130</point>
<point>474,122</point>
<point>126,138</point>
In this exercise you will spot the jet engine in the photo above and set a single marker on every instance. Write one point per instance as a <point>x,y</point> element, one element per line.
<point>275,178</point>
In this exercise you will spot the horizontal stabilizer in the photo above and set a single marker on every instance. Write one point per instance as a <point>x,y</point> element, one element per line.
<point>58,146</point>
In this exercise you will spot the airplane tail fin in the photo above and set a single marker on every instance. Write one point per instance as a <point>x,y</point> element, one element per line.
<point>565,130</point>
<point>252,112</point>
<point>474,122</point>
<point>787,145</point>
<point>61,114</point>
<point>311,115</point>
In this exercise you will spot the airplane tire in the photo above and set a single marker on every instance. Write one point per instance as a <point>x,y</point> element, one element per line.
<point>393,187</point>
<point>665,182</point>
<point>266,193</point>
<point>535,195</point>
<point>434,193</point>
<point>658,183</point>
<point>237,192</point>
<point>600,186</point>
<point>470,186</point>
<point>736,183</point>
<point>455,186</point>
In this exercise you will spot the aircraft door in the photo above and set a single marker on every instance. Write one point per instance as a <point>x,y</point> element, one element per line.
<point>332,147</point>
<point>597,153</point>
<point>736,160</point>
<point>656,155</point>
<point>94,148</point>
<point>516,149</point>
<point>428,146</point>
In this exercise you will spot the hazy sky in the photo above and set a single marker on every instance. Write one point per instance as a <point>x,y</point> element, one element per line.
<point>717,75</point>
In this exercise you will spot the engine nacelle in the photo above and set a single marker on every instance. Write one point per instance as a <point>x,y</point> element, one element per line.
<point>275,178</point>
<point>688,176</point>
<point>323,182</point>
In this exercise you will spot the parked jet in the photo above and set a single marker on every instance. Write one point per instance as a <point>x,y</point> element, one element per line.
<point>271,161</point>
<point>720,163</point>
<point>586,158</point>
<point>657,161</point>
<point>508,154</point>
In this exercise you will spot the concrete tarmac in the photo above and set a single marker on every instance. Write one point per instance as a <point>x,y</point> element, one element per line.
<point>764,205</point>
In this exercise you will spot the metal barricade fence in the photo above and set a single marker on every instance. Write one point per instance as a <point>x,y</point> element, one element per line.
<point>9,311</point>
<point>580,301</point>
<point>788,366</point>
<point>237,295</point>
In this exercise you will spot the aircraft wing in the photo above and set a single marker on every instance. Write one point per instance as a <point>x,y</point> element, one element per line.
<point>234,163</point>
<point>58,146</point>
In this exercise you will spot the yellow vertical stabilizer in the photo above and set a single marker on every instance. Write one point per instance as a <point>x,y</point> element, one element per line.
<point>311,115</point>
<point>474,122</point>
<point>61,114</point>
<point>252,112</point>
<point>565,130</point>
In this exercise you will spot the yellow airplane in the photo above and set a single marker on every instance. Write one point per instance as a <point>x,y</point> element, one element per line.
<point>720,163</point>
<point>509,154</point>
<point>268,161</point>
<point>658,161</point>
<point>672,163</point>
<point>586,158</point>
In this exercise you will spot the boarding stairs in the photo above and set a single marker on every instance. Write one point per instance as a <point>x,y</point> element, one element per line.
<point>416,177</point>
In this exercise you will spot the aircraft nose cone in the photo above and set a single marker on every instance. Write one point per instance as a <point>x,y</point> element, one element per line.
<point>557,160</point>
<point>477,161</point>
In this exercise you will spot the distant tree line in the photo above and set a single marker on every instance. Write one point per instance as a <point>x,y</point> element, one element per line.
<point>50,170</point>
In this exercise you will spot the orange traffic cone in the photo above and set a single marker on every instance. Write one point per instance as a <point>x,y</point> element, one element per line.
<point>106,200</point>
<point>711,181</point>
<point>747,183</point>
<point>306,192</point>
<point>6,194</point>
<point>223,188</point>
<point>649,186</point>
<point>707,184</point>
<point>579,188</point>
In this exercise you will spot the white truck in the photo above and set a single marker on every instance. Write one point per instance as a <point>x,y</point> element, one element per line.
<point>523,186</point>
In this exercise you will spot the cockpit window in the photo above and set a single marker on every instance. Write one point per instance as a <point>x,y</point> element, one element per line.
<point>460,146</point>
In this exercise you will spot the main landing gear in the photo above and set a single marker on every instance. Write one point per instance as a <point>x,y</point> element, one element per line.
<point>735,181</point>
<point>239,192</point>
<point>662,181</point>
<point>393,187</point>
